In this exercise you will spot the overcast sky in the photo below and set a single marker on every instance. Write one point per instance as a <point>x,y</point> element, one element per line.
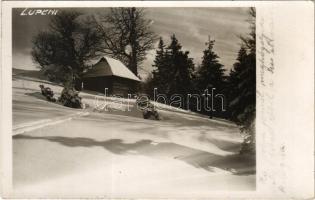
<point>190,25</point>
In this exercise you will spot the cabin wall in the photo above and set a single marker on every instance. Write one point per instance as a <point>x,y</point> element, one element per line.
<point>123,87</point>
<point>98,84</point>
<point>116,85</point>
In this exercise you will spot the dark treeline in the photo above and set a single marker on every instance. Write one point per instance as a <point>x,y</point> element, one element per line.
<point>175,74</point>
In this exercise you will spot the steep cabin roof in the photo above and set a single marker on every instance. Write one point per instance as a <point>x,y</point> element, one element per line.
<point>110,67</point>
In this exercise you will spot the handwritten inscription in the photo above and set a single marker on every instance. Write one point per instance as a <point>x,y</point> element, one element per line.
<point>266,52</point>
<point>31,12</point>
<point>273,148</point>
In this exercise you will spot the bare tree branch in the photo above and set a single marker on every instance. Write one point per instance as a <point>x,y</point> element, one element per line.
<point>127,27</point>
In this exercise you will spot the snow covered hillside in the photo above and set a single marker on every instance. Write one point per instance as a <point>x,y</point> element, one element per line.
<point>109,150</point>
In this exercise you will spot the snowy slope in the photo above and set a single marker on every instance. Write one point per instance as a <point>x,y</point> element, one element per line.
<point>117,153</point>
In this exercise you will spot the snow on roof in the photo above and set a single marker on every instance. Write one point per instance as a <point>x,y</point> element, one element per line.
<point>110,67</point>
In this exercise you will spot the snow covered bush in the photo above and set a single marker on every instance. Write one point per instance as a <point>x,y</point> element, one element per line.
<point>147,108</point>
<point>248,129</point>
<point>70,98</point>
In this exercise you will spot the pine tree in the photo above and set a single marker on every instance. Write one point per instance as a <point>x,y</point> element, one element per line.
<point>173,70</point>
<point>160,74</point>
<point>64,51</point>
<point>242,80</point>
<point>242,86</point>
<point>210,75</point>
<point>180,69</point>
<point>211,72</point>
<point>234,84</point>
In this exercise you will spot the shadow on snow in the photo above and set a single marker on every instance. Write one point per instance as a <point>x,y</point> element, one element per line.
<point>236,164</point>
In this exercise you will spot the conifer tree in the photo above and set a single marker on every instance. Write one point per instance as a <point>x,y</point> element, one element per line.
<point>180,69</point>
<point>211,72</point>
<point>173,71</point>
<point>242,80</point>
<point>234,84</point>
<point>210,75</point>
<point>242,86</point>
<point>63,51</point>
<point>160,73</point>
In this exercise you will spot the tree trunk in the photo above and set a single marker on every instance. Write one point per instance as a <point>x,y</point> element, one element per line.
<point>133,43</point>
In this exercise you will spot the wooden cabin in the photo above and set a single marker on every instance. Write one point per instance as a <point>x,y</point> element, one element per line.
<point>111,74</point>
